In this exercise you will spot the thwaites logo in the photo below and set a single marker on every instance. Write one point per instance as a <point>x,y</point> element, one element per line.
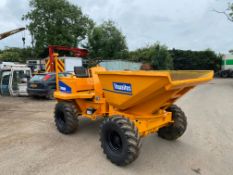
<point>64,88</point>
<point>122,87</point>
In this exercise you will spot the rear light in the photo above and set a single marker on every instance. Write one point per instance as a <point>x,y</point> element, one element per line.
<point>46,77</point>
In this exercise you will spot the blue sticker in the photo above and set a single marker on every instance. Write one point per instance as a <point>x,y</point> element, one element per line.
<point>64,88</point>
<point>122,87</point>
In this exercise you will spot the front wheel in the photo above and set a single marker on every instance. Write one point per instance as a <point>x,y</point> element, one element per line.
<point>66,117</point>
<point>176,129</point>
<point>120,140</point>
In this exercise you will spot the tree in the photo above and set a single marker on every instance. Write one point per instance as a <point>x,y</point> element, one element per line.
<point>16,54</point>
<point>107,42</point>
<point>161,59</point>
<point>196,60</point>
<point>11,54</point>
<point>56,22</point>
<point>228,12</point>
<point>157,55</point>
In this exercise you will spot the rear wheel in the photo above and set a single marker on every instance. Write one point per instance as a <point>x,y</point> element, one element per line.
<point>66,117</point>
<point>120,140</point>
<point>224,74</point>
<point>50,95</point>
<point>176,129</point>
<point>231,74</point>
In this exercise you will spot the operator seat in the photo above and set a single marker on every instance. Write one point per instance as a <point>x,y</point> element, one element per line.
<point>81,72</point>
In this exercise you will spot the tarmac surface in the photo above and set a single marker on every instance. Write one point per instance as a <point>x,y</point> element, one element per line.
<point>30,143</point>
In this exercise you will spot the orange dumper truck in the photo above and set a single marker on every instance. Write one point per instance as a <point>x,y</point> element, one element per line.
<point>132,104</point>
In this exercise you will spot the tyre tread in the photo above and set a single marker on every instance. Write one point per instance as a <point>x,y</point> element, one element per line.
<point>132,137</point>
<point>177,129</point>
<point>71,117</point>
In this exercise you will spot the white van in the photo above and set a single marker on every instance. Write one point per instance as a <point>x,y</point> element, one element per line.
<point>13,80</point>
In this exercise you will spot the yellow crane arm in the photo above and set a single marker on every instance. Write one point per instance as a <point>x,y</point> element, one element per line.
<point>12,32</point>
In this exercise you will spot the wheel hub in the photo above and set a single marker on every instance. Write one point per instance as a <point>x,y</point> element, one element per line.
<point>115,141</point>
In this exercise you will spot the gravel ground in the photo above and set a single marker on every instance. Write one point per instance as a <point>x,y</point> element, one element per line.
<point>30,143</point>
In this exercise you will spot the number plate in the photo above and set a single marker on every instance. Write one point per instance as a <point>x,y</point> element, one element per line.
<point>33,85</point>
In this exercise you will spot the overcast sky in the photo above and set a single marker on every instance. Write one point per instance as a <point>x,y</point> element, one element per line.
<point>180,24</point>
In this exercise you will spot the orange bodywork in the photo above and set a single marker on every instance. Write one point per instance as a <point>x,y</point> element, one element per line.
<point>141,96</point>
